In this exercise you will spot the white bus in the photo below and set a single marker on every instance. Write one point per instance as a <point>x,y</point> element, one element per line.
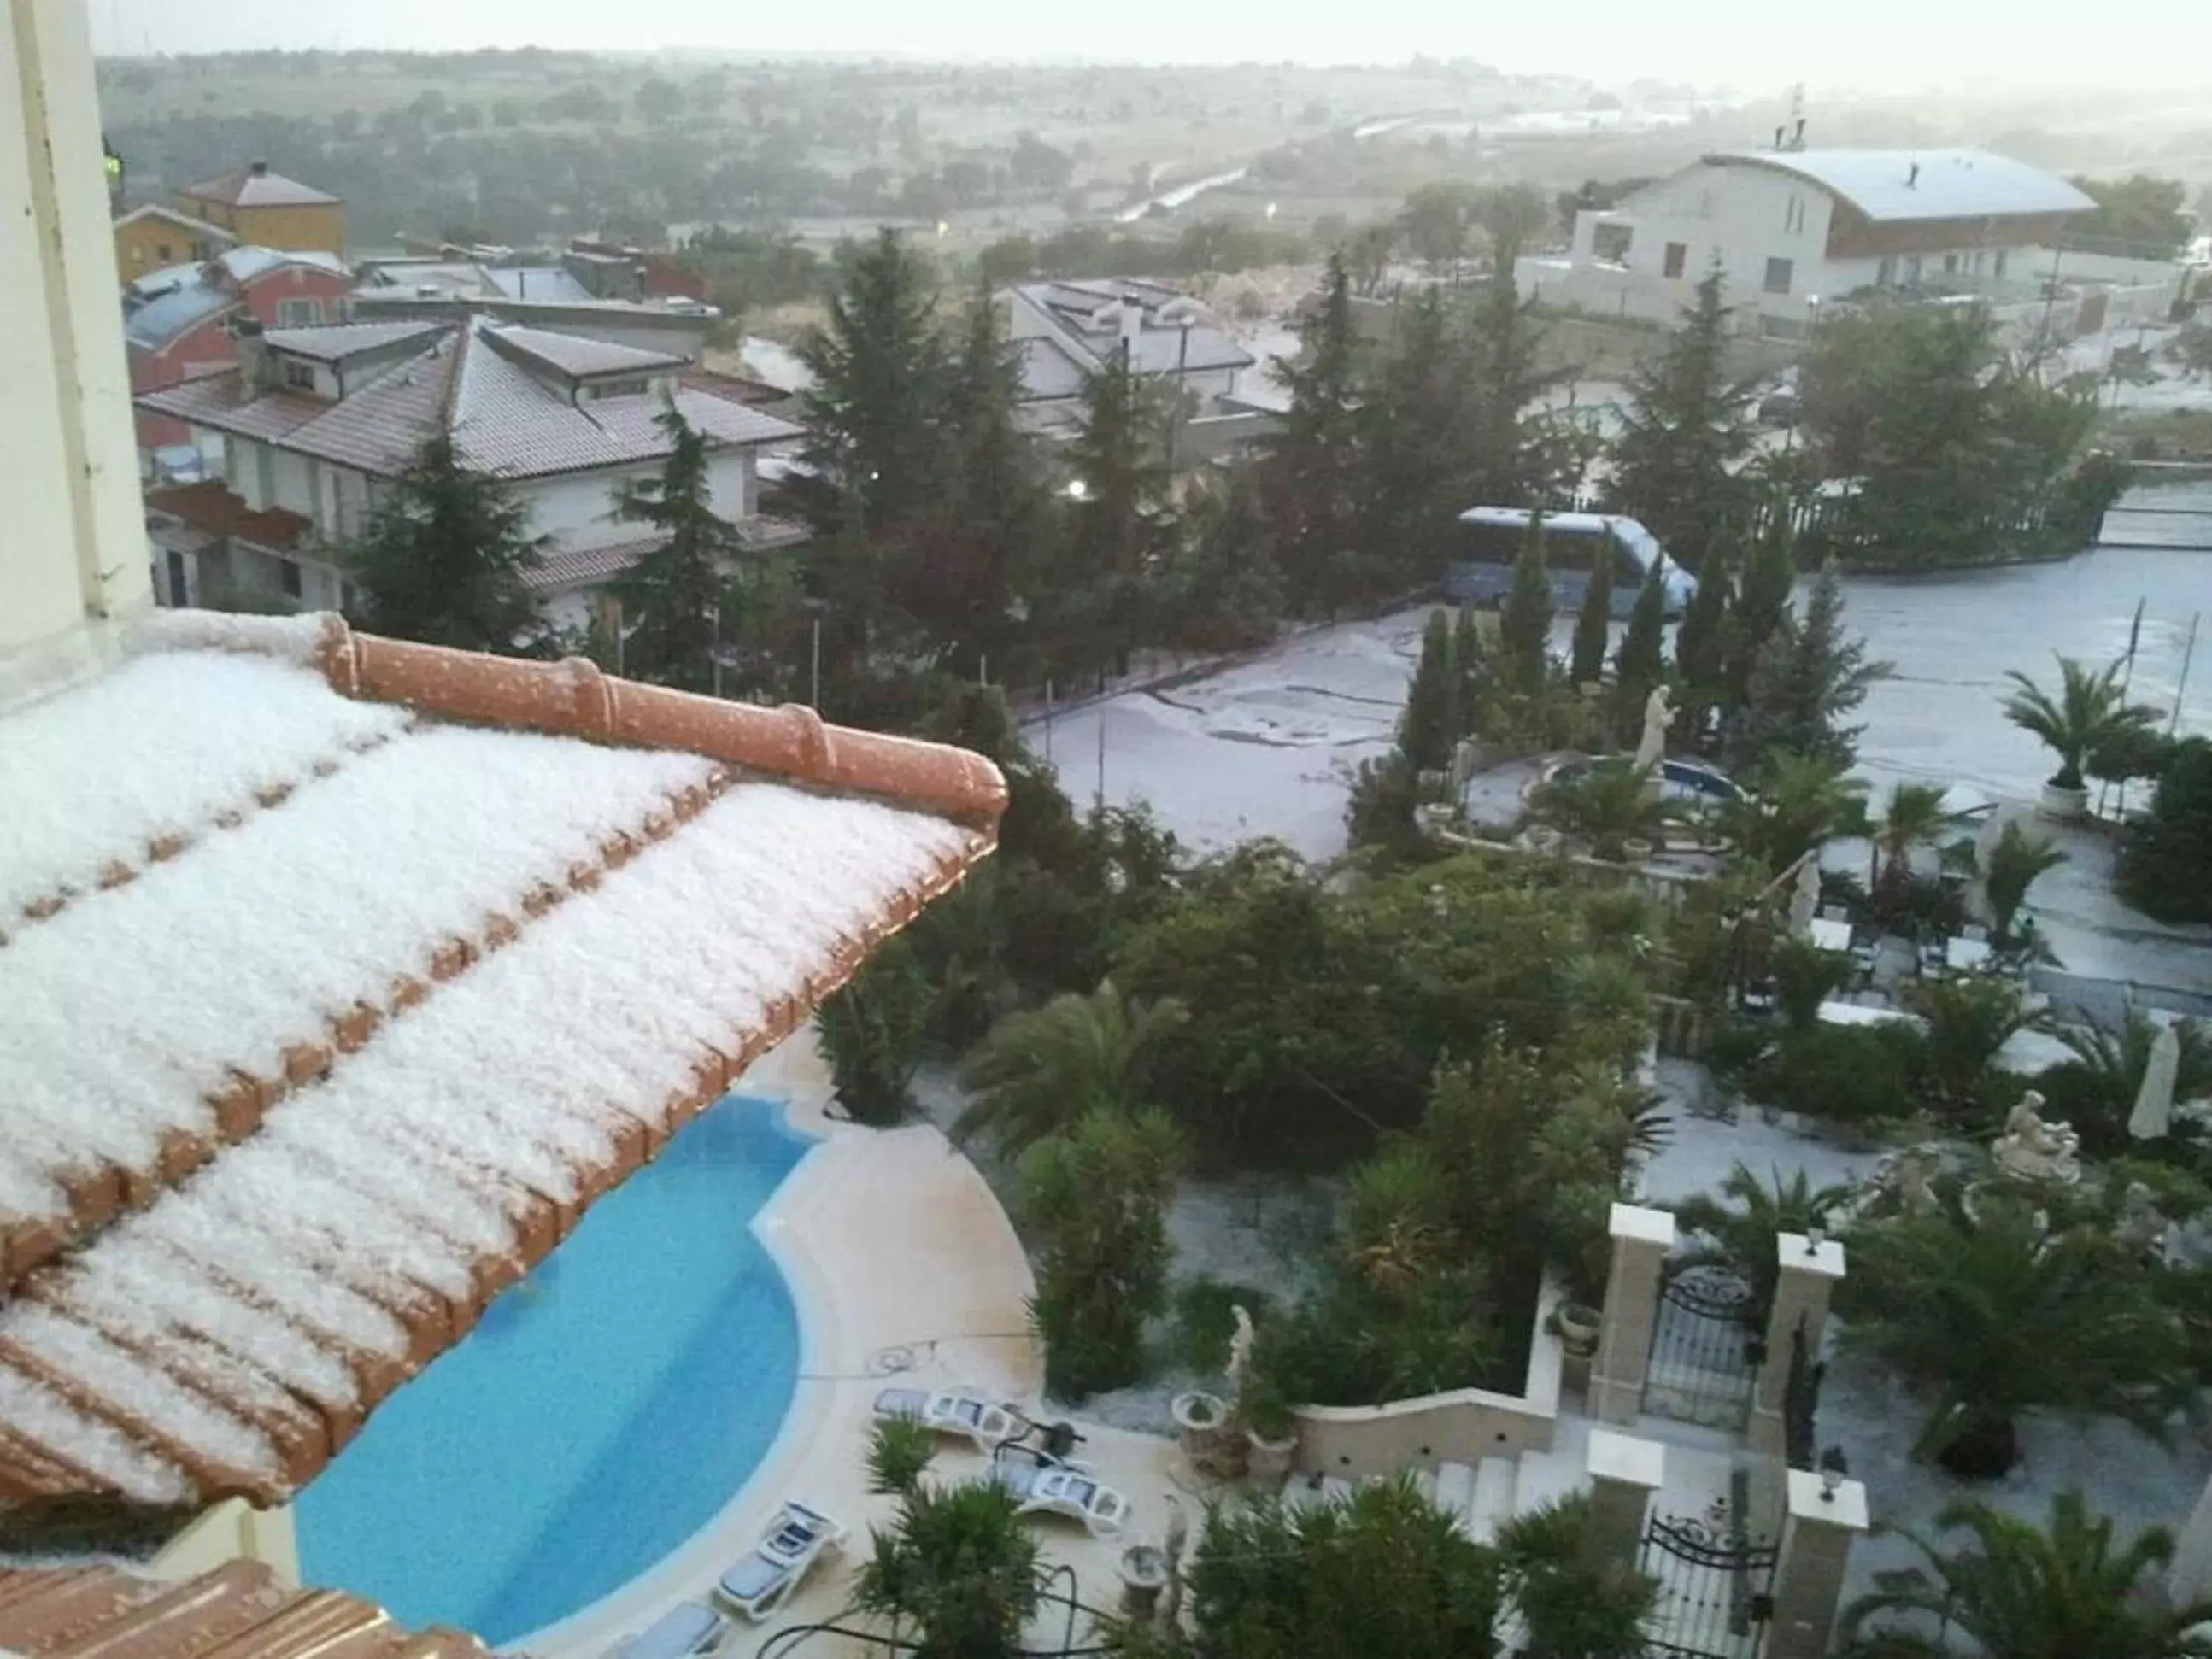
<point>1489,539</point>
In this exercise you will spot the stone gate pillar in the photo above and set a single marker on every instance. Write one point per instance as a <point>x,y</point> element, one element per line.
<point>1807,1279</point>
<point>1808,1574</point>
<point>1641,1239</point>
<point>1624,1472</point>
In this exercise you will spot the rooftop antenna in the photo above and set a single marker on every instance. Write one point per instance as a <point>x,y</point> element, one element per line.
<point>1797,119</point>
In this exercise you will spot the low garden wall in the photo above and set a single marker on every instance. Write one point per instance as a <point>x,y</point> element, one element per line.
<point>1460,1426</point>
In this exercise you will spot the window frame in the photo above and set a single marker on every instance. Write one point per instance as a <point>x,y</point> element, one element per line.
<point>1787,269</point>
<point>1674,260</point>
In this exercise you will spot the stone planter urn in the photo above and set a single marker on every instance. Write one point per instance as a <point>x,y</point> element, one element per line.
<point>1578,1325</point>
<point>1144,1572</point>
<point>2062,804</point>
<point>1269,1459</point>
<point>1635,849</point>
<point>1208,1440</point>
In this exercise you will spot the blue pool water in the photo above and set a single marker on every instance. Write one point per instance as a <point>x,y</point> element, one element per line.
<point>604,1410</point>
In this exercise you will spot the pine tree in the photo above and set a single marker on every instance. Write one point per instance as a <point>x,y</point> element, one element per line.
<point>1318,453</point>
<point>444,556</point>
<point>1808,677</point>
<point>1594,623</point>
<point>1119,523</point>
<point>1413,475</point>
<point>1641,663</point>
<point>1525,622</point>
<point>1429,726</point>
<point>1506,455</point>
<point>873,413</point>
<point>1687,426</point>
<point>673,600</point>
<point>1701,644</point>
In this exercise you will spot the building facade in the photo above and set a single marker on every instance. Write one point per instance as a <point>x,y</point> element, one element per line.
<point>153,238</point>
<point>1790,230</point>
<point>315,424</point>
<point>258,206</point>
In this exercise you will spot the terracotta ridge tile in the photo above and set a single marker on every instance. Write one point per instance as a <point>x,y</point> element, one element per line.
<point>119,871</point>
<point>575,698</point>
<point>99,1196</point>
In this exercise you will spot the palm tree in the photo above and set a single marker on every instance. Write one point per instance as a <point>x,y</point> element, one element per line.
<point>957,1573</point>
<point>2095,1090</point>
<point>1741,1218</point>
<point>1798,802</point>
<point>1039,1070</point>
<point>1990,1319</point>
<point>1913,818</point>
<point>2017,858</point>
<point>2090,712</point>
<point>1574,1602</point>
<point>1610,801</point>
<point>2063,1591</point>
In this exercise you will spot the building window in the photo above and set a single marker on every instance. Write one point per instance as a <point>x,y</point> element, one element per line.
<point>1885,272</point>
<point>288,578</point>
<point>162,252</point>
<point>1912,270</point>
<point>299,376</point>
<point>1678,256</point>
<point>298,313</point>
<point>636,388</point>
<point>1609,243</point>
<point>1998,265</point>
<point>1778,273</point>
<point>1793,216</point>
<point>1950,265</point>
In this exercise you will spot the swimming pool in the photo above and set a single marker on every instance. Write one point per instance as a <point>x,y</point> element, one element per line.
<point>605,1409</point>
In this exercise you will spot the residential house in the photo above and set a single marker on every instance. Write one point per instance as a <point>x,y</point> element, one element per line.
<point>258,206</point>
<point>586,290</point>
<point>317,422</point>
<point>1065,331</point>
<point>154,237</point>
<point>1791,229</point>
<point>345,975</point>
<point>178,323</point>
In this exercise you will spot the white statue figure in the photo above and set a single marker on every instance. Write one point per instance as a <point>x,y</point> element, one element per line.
<point>2034,1150</point>
<point>2152,1116</point>
<point>2141,1224</point>
<point>1658,715</point>
<point>1240,1349</point>
<point>1914,1194</point>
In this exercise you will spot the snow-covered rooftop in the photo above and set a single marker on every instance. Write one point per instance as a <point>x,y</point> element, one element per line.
<point>1894,184</point>
<point>327,1020</point>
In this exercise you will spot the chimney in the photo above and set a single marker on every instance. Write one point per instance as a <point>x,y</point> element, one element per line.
<point>259,169</point>
<point>1797,137</point>
<point>253,365</point>
<point>1778,131</point>
<point>1133,324</point>
<point>1913,179</point>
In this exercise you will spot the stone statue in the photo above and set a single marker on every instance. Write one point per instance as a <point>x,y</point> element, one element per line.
<point>1805,896</point>
<point>1914,1194</point>
<point>2035,1151</point>
<point>2141,1224</point>
<point>1658,715</point>
<point>1178,1534</point>
<point>1466,760</point>
<point>1240,1349</point>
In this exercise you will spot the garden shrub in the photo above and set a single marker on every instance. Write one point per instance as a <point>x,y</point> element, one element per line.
<point>1845,1074</point>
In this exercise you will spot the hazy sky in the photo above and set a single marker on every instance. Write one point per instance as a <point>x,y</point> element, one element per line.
<point>1756,45</point>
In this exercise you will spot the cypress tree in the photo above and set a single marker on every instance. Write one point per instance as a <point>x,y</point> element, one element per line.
<point>1471,660</point>
<point>1701,643</point>
<point>1808,678</point>
<point>444,555</point>
<point>1762,606</point>
<point>672,599</point>
<point>1593,625</point>
<point>1319,451</point>
<point>1429,726</point>
<point>1525,623</point>
<point>1687,425</point>
<point>1641,663</point>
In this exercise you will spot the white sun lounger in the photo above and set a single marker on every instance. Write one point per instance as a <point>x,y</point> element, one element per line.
<point>758,1585</point>
<point>967,1411</point>
<point>1068,1489</point>
<point>690,1630</point>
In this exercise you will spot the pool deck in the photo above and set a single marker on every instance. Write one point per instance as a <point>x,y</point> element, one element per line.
<point>906,1272</point>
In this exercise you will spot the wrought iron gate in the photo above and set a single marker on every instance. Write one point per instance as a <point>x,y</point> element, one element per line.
<point>1706,1347</point>
<point>1716,1590</point>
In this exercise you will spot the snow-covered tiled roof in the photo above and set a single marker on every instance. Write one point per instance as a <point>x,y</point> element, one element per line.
<point>1896,185</point>
<point>509,408</point>
<point>337,341</point>
<point>329,1018</point>
<point>574,355</point>
<point>255,185</point>
<point>1173,333</point>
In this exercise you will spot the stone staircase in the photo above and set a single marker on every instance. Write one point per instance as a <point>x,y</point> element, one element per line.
<point>1481,1498</point>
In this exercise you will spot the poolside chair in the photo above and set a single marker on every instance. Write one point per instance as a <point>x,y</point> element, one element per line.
<point>960,1410</point>
<point>690,1630</point>
<point>1068,1489</point>
<point>758,1585</point>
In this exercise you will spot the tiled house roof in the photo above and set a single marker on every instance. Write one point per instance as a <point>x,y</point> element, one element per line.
<point>510,407</point>
<point>254,186</point>
<point>238,1611</point>
<point>343,974</point>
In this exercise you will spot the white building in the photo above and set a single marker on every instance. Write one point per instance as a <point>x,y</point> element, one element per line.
<point>316,424</point>
<point>1791,229</point>
<point>1066,332</point>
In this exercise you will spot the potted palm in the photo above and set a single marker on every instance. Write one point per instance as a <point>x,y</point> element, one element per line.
<point>2090,712</point>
